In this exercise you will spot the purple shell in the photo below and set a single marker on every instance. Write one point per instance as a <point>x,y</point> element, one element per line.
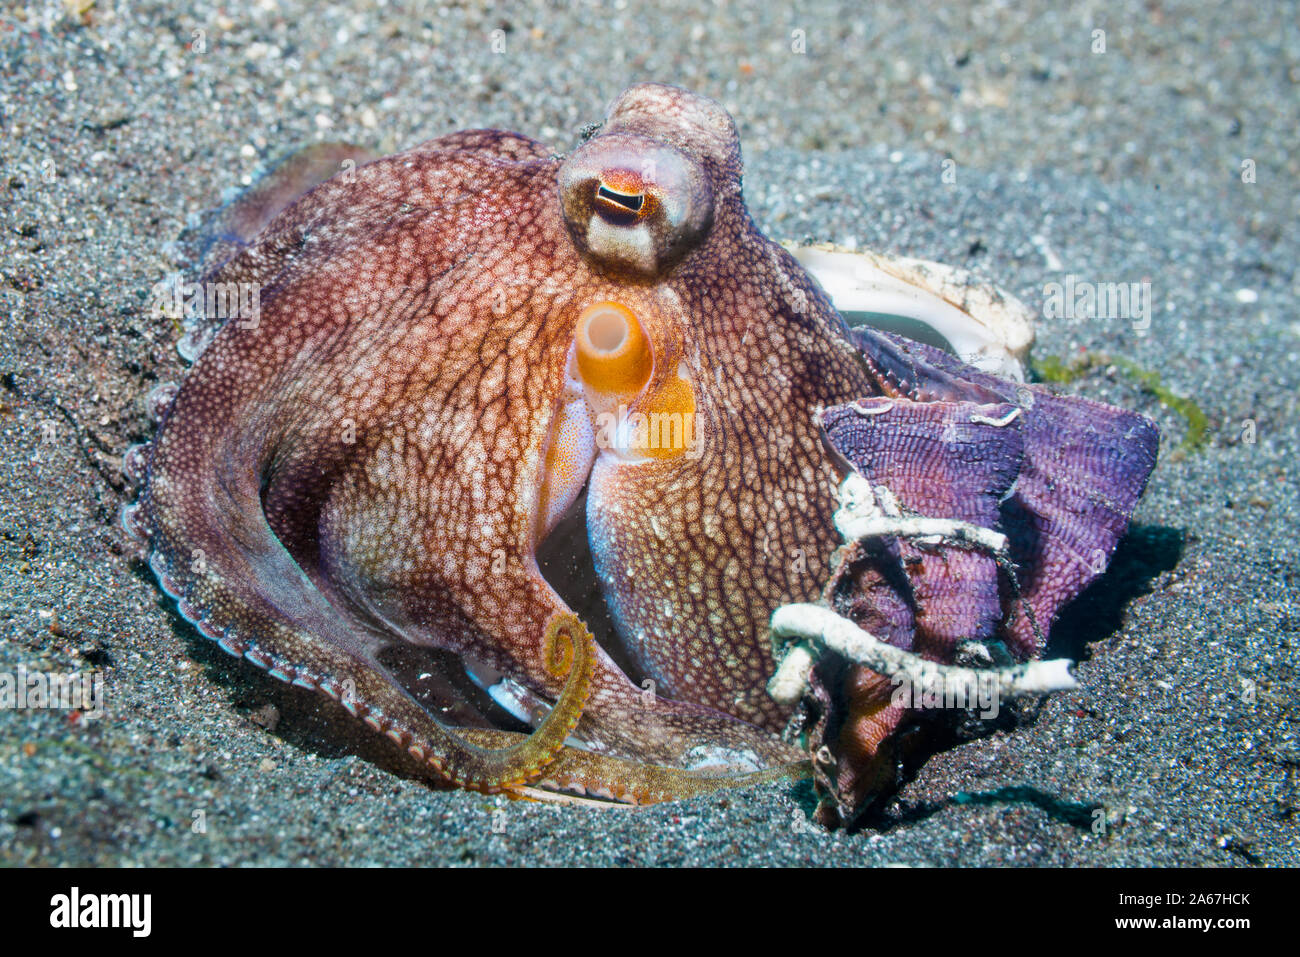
<point>1060,479</point>
<point>1058,475</point>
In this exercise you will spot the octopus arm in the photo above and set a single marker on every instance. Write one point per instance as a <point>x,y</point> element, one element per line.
<point>243,590</point>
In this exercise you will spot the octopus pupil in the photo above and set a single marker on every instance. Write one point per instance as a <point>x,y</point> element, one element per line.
<point>629,201</point>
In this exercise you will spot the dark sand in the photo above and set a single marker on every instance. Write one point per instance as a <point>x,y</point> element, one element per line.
<point>1126,166</point>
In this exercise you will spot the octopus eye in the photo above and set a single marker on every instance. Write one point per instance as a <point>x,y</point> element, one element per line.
<point>614,356</point>
<point>634,202</point>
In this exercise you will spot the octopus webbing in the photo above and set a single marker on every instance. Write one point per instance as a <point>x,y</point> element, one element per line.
<point>481,371</point>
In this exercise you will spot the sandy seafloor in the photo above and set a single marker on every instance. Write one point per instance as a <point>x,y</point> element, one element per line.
<point>1126,165</point>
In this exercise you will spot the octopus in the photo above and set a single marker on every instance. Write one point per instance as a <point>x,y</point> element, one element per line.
<point>520,452</point>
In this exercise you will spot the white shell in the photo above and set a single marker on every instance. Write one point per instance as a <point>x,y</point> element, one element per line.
<point>980,323</point>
